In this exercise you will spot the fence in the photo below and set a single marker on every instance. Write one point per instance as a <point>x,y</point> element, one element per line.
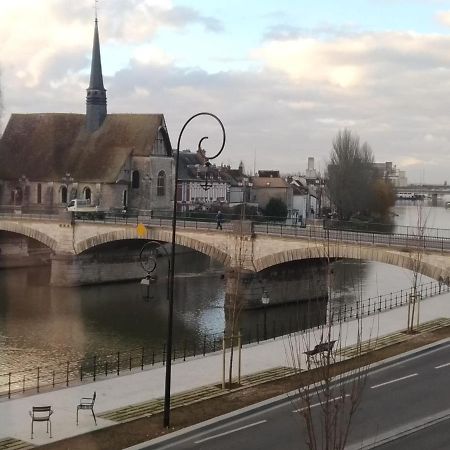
<point>100,366</point>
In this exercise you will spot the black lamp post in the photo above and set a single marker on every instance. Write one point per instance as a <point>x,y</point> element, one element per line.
<point>172,258</point>
<point>147,256</point>
<point>265,300</point>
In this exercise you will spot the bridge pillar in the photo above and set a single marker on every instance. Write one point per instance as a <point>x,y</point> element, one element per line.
<point>76,270</point>
<point>291,282</point>
<point>434,199</point>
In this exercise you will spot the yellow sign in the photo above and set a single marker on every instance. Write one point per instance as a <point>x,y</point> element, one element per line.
<point>141,230</point>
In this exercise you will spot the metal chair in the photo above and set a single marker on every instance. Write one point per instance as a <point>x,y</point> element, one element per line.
<point>41,414</point>
<point>87,403</point>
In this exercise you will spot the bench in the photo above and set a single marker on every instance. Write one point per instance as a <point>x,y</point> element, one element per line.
<point>87,403</point>
<point>320,348</point>
<point>41,414</point>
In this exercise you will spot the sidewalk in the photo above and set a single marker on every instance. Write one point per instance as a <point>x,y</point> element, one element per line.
<point>119,392</point>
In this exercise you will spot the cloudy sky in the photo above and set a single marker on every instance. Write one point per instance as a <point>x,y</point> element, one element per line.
<point>284,75</point>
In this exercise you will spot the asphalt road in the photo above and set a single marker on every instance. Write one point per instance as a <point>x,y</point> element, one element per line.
<point>433,437</point>
<point>397,397</point>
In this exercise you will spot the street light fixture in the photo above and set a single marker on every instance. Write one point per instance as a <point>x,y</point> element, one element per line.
<point>147,256</point>
<point>265,300</point>
<point>166,420</point>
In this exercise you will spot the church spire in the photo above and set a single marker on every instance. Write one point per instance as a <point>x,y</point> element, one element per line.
<point>96,92</point>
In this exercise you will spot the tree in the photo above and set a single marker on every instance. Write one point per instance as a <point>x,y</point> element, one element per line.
<point>353,185</point>
<point>276,210</point>
<point>328,405</point>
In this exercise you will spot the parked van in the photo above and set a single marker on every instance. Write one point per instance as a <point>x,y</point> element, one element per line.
<point>83,209</point>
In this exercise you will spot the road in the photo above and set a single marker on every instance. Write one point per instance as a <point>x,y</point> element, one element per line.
<point>398,396</point>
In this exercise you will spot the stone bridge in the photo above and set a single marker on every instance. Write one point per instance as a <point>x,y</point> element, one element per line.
<point>251,249</point>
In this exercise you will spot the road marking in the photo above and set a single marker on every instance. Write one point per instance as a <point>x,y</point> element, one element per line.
<point>320,403</point>
<point>394,381</point>
<point>442,365</point>
<point>230,431</point>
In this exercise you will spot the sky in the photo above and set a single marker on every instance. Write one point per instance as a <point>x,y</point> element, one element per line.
<point>284,76</point>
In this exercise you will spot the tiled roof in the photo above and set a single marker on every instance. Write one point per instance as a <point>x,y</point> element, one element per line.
<point>44,147</point>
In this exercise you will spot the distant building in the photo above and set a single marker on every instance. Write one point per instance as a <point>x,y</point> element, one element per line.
<point>273,186</point>
<point>389,172</point>
<point>199,186</point>
<point>114,160</point>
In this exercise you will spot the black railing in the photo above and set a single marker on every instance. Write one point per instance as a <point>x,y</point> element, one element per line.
<point>94,367</point>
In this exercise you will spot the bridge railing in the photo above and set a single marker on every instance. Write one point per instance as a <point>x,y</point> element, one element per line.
<point>441,244</point>
<point>96,367</point>
<point>408,238</point>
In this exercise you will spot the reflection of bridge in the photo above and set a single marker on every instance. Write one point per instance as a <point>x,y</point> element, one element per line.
<point>264,245</point>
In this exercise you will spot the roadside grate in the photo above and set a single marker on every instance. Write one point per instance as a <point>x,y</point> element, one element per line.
<point>156,406</point>
<point>14,444</point>
<point>391,339</point>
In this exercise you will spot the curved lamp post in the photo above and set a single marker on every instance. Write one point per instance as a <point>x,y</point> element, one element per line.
<point>147,257</point>
<point>172,257</point>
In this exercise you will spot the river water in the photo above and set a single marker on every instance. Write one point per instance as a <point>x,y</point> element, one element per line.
<point>41,325</point>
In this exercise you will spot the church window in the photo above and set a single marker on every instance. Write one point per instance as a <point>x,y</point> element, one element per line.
<point>125,198</point>
<point>135,179</point>
<point>39,193</point>
<point>87,193</point>
<point>63,194</point>
<point>161,185</point>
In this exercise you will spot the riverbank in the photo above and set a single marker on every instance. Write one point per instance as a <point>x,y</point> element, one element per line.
<point>118,393</point>
<point>139,430</point>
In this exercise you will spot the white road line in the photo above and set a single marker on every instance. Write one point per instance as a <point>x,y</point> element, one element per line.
<point>230,431</point>
<point>320,403</point>
<point>394,381</point>
<point>442,365</point>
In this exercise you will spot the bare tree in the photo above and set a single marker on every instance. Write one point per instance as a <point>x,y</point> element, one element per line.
<point>353,184</point>
<point>328,405</point>
<point>235,302</point>
<point>417,257</point>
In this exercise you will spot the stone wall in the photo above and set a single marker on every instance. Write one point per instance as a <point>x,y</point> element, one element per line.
<point>286,283</point>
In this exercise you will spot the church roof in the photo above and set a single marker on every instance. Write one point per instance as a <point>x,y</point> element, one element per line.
<point>45,147</point>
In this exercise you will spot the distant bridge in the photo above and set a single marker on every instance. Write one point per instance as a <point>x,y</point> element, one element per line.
<point>263,245</point>
<point>428,189</point>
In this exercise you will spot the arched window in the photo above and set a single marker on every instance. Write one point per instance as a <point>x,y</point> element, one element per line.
<point>87,193</point>
<point>39,193</point>
<point>135,179</point>
<point>63,194</point>
<point>125,198</point>
<point>161,185</point>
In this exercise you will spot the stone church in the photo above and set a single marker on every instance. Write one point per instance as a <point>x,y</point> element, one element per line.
<point>116,161</point>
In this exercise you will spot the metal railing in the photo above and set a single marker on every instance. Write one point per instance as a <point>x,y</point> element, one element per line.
<point>94,367</point>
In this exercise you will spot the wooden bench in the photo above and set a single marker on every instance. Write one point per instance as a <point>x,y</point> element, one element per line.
<point>41,414</point>
<point>320,348</point>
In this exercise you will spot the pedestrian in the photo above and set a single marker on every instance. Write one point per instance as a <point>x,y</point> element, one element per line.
<point>219,219</point>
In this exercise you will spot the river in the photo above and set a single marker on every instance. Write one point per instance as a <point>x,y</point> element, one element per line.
<point>41,325</point>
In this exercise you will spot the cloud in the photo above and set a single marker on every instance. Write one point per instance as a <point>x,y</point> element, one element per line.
<point>390,88</point>
<point>443,17</point>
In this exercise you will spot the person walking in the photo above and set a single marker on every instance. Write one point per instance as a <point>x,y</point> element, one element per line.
<point>219,219</point>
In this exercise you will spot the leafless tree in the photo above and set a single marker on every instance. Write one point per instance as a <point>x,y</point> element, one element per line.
<point>354,187</point>
<point>417,253</point>
<point>235,302</point>
<point>328,405</point>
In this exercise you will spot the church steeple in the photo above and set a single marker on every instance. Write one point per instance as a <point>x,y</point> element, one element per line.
<point>96,92</point>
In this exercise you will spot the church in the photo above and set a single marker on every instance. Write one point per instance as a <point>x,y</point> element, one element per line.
<point>115,161</point>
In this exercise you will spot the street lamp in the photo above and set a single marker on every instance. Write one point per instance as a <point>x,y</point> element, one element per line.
<point>265,300</point>
<point>147,256</point>
<point>172,258</point>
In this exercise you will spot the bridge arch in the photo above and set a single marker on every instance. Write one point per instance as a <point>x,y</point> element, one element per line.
<point>157,235</point>
<point>377,254</point>
<point>29,232</point>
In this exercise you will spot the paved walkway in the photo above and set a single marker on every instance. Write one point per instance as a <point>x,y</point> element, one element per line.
<point>119,392</point>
